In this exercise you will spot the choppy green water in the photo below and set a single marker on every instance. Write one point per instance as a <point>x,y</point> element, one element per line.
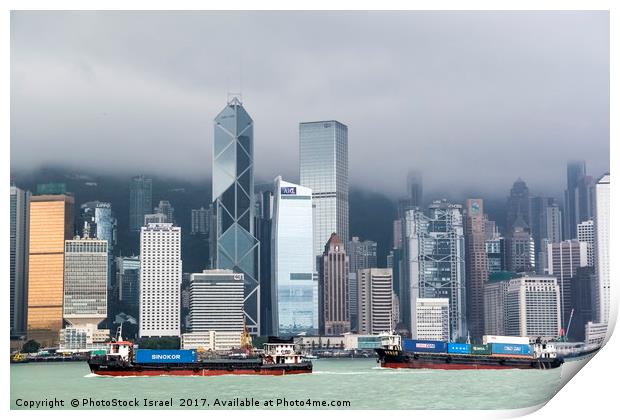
<point>359,381</point>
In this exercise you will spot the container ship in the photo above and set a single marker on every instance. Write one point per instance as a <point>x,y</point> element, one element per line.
<point>495,353</point>
<point>279,358</point>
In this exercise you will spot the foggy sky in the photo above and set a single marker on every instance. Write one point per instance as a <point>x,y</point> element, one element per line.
<point>472,99</point>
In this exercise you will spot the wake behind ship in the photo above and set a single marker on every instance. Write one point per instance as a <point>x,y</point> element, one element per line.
<point>279,358</point>
<point>423,354</point>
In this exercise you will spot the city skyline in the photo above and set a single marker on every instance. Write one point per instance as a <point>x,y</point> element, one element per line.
<point>427,111</point>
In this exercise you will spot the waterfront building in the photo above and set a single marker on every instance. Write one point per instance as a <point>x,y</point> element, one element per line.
<point>431,319</point>
<point>585,233</point>
<point>83,338</point>
<point>601,253</point>
<point>51,223</point>
<point>596,334</point>
<point>333,289</point>
<point>236,246</point>
<point>164,207</point>
<point>200,221</point>
<point>362,255</point>
<point>140,201</point>
<point>19,233</point>
<point>85,282</point>
<point>563,260</point>
<point>160,280</point>
<point>375,300</point>
<point>293,259</point>
<point>533,307</point>
<point>477,269</point>
<point>518,204</point>
<point>324,168</point>
<point>434,260</point>
<point>216,302</point>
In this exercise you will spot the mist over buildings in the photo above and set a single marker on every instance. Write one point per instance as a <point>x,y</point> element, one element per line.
<point>473,100</point>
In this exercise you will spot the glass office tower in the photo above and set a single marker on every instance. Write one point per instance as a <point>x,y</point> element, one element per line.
<point>233,198</point>
<point>293,259</point>
<point>323,167</point>
<point>140,201</point>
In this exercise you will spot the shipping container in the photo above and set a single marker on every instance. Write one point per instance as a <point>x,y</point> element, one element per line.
<point>489,339</point>
<point>508,348</point>
<point>166,356</point>
<point>481,349</point>
<point>424,346</point>
<point>459,348</point>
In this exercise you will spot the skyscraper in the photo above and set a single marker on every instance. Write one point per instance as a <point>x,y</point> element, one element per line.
<point>477,269</point>
<point>585,233</point>
<point>263,228</point>
<point>575,170</point>
<point>435,261</point>
<point>375,300</point>
<point>86,282</point>
<point>200,221</point>
<point>324,168</point>
<point>518,204</point>
<point>533,307</point>
<point>414,187</point>
<point>140,201</point>
<point>160,280</point>
<point>97,221</point>
<point>563,260</point>
<point>20,214</point>
<point>293,259</point>
<point>334,315</point>
<point>164,207</point>
<point>51,223</point>
<point>362,254</point>
<point>520,254</point>
<point>546,226</point>
<point>128,281</point>
<point>601,253</point>
<point>237,247</point>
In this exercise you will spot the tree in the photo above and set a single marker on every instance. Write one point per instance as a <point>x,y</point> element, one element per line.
<point>31,346</point>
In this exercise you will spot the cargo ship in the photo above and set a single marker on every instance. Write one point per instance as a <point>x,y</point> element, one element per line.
<point>279,358</point>
<point>517,353</point>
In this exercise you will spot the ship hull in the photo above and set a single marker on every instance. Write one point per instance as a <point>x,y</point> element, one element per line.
<point>199,369</point>
<point>394,359</point>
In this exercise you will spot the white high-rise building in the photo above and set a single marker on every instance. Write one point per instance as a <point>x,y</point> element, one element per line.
<point>293,260</point>
<point>585,233</point>
<point>324,168</point>
<point>430,319</point>
<point>533,307</point>
<point>601,253</point>
<point>85,281</point>
<point>160,280</point>
<point>375,300</point>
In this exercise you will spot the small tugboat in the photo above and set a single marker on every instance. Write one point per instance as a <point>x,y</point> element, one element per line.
<point>279,358</point>
<point>396,353</point>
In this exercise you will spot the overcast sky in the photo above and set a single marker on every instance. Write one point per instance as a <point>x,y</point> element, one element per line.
<point>472,99</point>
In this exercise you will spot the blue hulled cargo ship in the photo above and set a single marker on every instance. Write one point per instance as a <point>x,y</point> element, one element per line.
<point>398,353</point>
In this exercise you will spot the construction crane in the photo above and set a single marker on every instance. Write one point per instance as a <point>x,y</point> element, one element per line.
<point>572,311</point>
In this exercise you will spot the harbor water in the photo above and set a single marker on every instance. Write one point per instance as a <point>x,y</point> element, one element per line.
<point>359,381</point>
